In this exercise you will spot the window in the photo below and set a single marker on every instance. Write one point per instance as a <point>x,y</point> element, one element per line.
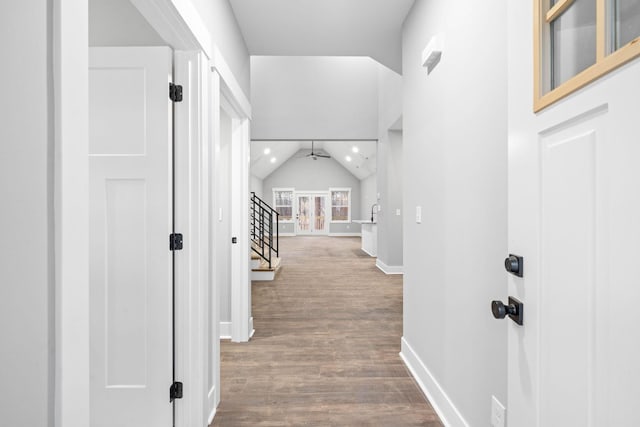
<point>340,204</point>
<point>578,41</point>
<point>283,203</point>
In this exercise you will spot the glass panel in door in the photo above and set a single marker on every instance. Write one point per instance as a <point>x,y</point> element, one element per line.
<point>319,214</point>
<point>303,219</point>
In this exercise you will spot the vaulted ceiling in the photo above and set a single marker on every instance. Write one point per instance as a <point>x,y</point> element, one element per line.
<point>359,157</point>
<point>324,28</point>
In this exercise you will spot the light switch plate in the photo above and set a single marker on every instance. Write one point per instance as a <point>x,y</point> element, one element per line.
<point>419,214</point>
<point>397,212</point>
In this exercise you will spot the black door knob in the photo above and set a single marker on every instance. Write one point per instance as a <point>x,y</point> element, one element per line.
<point>514,309</point>
<point>500,310</point>
<point>514,264</point>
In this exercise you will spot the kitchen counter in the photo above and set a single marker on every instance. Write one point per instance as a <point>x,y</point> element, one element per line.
<point>369,232</point>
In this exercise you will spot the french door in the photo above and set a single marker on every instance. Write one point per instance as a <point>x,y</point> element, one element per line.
<point>311,216</point>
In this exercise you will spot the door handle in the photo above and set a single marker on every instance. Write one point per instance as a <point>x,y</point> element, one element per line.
<point>514,309</point>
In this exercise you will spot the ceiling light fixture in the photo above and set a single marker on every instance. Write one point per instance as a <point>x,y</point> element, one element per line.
<point>267,151</point>
<point>273,160</point>
<point>348,158</point>
<point>355,149</point>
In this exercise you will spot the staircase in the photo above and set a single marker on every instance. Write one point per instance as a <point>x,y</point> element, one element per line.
<point>264,240</point>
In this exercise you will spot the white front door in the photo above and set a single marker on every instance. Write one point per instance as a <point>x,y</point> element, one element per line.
<point>574,217</point>
<point>311,214</point>
<point>130,146</point>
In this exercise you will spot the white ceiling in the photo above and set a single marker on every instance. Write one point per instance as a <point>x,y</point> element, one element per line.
<point>324,28</point>
<point>361,164</point>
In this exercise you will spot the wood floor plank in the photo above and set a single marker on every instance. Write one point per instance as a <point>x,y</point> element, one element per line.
<point>325,351</point>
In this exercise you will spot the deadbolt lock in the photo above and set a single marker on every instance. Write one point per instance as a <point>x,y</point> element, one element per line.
<point>514,264</point>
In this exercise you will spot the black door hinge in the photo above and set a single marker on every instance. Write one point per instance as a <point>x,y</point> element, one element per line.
<point>175,242</point>
<point>175,391</point>
<point>175,92</point>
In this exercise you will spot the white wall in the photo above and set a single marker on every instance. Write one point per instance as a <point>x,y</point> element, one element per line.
<point>389,168</point>
<point>255,185</point>
<point>314,97</point>
<point>368,195</point>
<point>221,22</point>
<point>26,188</point>
<point>389,217</point>
<point>305,174</point>
<point>455,168</point>
<point>119,23</point>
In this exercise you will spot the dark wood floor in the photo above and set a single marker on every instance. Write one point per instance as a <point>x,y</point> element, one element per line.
<point>325,351</point>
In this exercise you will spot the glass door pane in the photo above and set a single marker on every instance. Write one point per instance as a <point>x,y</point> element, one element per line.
<point>303,221</point>
<point>319,214</point>
<point>625,15</point>
<point>573,41</point>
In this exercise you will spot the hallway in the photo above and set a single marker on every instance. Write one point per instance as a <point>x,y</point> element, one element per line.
<point>325,351</point>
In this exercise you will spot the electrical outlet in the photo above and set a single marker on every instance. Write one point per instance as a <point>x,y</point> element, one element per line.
<point>397,212</point>
<point>497,413</point>
<point>419,214</point>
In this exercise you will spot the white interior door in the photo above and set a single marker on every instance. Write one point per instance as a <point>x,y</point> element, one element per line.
<point>574,209</point>
<point>130,126</point>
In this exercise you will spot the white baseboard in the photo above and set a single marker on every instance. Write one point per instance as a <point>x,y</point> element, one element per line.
<point>389,269</point>
<point>287,234</point>
<point>212,416</point>
<point>345,234</point>
<point>444,407</point>
<point>225,330</point>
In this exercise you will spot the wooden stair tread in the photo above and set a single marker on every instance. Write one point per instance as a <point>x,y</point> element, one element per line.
<point>264,265</point>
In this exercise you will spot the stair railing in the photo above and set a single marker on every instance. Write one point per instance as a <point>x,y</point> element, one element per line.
<point>265,229</point>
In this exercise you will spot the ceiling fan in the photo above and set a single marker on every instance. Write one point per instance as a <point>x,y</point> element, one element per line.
<point>315,155</point>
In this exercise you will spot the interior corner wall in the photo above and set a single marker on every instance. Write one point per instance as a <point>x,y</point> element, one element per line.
<point>305,174</point>
<point>455,169</point>
<point>389,169</point>
<point>221,23</point>
<point>119,23</point>
<point>255,186</point>
<point>26,185</point>
<point>368,195</point>
<point>389,217</point>
<point>314,97</point>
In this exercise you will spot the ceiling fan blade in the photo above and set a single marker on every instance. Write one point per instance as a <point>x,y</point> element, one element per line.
<point>324,156</point>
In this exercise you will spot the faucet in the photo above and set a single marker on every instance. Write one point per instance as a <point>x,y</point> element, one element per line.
<point>372,207</point>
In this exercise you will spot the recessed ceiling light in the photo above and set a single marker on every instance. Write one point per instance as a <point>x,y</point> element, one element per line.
<point>348,158</point>
<point>355,149</point>
<point>267,151</point>
<point>273,160</point>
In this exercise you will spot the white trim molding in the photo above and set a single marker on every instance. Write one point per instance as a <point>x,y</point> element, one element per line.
<point>225,330</point>
<point>345,234</point>
<point>441,403</point>
<point>230,87</point>
<point>178,23</point>
<point>71,213</point>
<point>389,269</point>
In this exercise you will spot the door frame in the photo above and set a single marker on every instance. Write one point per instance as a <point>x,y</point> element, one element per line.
<point>181,27</point>
<point>233,103</point>
<point>327,195</point>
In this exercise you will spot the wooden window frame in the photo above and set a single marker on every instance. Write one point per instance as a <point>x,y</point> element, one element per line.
<point>543,15</point>
<point>331,206</point>
<point>293,208</point>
